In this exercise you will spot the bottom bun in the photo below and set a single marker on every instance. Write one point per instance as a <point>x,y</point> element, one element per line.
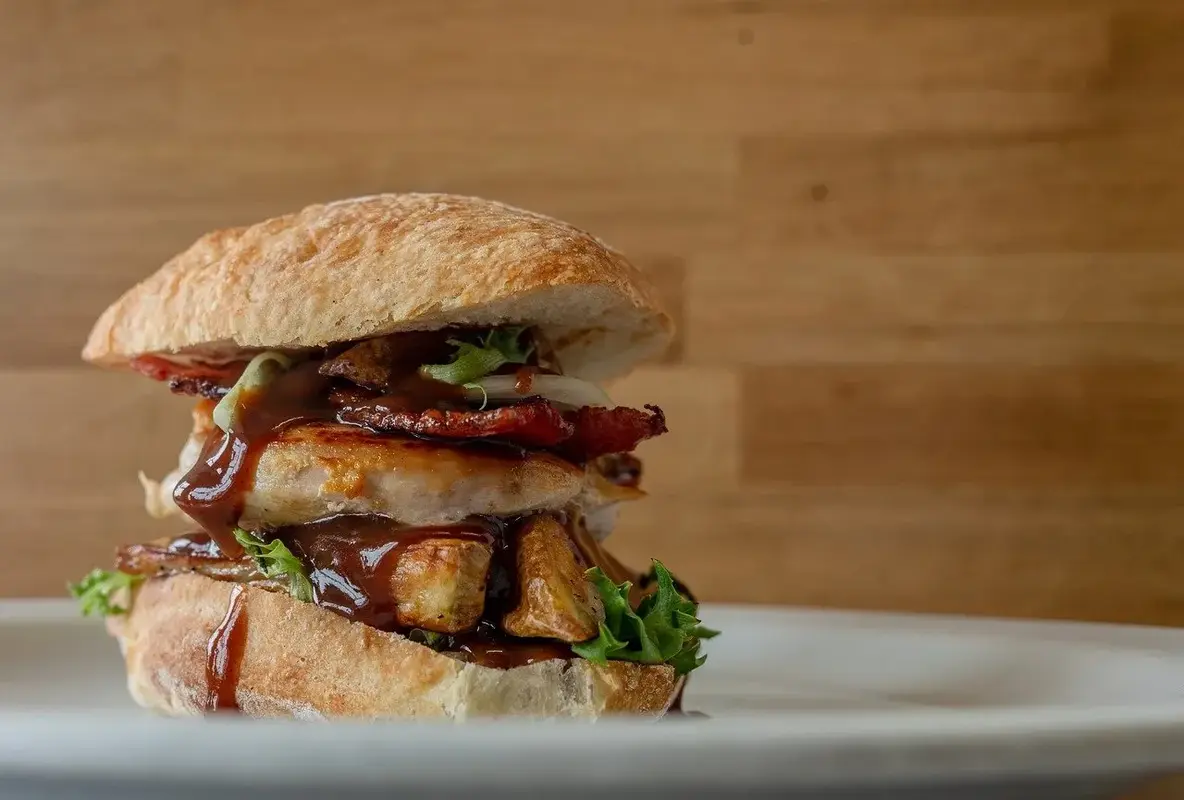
<point>298,660</point>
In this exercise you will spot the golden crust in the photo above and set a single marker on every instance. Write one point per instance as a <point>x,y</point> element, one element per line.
<point>371,266</point>
<point>555,599</point>
<point>318,468</point>
<point>302,661</point>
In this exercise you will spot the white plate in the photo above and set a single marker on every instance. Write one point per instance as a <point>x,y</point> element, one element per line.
<point>858,705</point>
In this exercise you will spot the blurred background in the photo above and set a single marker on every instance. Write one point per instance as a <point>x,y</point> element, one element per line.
<point>925,255</point>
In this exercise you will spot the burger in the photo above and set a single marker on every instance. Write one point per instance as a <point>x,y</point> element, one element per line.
<point>401,472</point>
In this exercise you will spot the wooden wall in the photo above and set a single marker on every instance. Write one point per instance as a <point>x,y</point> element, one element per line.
<point>926,255</point>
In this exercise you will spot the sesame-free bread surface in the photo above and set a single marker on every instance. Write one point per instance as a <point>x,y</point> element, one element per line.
<point>301,661</point>
<point>373,266</point>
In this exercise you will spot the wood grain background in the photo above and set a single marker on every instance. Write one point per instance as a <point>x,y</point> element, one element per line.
<point>926,255</point>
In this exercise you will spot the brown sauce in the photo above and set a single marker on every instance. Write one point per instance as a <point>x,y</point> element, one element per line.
<point>196,544</point>
<point>352,560</point>
<point>510,653</point>
<point>487,646</point>
<point>213,491</point>
<point>524,379</point>
<point>413,392</point>
<point>224,654</point>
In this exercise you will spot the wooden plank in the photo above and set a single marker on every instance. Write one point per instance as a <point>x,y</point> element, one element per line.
<point>951,425</point>
<point>68,477</point>
<point>1095,191</point>
<point>924,257</point>
<point>1105,556</point>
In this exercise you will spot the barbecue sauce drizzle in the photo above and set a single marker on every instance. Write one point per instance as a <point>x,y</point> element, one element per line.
<point>213,491</point>
<point>352,559</point>
<point>224,654</point>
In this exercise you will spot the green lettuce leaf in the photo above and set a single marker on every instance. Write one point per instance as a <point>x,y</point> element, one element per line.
<point>472,362</point>
<point>663,629</point>
<point>275,560</point>
<point>432,639</point>
<point>261,370</point>
<point>94,592</point>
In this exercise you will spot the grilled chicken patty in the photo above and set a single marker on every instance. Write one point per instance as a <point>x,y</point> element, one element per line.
<point>317,470</point>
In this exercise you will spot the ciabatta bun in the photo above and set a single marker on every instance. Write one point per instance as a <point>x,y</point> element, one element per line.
<point>372,266</point>
<point>302,661</point>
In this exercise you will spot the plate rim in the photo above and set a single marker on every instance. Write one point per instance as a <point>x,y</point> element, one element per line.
<point>783,749</point>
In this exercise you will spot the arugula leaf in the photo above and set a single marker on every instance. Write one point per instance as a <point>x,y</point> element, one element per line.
<point>688,658</point>
<point>474,361</point>
<point>663,629</point>
<point>275,560</point>
<point>94,591</point>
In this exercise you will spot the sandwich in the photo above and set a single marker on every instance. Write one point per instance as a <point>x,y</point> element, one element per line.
<point>401,472</point>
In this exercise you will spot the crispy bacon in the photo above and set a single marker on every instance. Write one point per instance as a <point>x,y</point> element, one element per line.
<point>380,363</point>
<point>579,435</point>
<point>199,380</point>
<point>535,423</point>
<point>197,387</point>
<point>189,553</point>
<point>600,431</point>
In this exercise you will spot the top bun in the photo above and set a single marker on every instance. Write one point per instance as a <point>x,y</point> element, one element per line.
<point>372,266</point>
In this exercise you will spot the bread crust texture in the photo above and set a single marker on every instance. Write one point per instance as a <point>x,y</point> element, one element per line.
<point>304,662</point>
<point>373,266</point>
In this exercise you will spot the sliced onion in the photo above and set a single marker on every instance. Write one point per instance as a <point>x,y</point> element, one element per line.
<point>559,388</point>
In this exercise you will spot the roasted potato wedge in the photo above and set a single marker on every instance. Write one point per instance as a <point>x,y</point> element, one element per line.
<point>439,584</point>
<point>555,600</point>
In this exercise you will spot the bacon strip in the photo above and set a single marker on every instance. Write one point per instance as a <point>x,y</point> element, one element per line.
<point>199,380</point>
<point>600,431</point>
<point>581,436</point>
<point>535,423</point>
<point>166,557</point>
<point>198,387</point>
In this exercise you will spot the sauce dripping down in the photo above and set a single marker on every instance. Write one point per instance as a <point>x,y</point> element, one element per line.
<point>224,654</point>
<point>353,559</point>
<point>213,491</point>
